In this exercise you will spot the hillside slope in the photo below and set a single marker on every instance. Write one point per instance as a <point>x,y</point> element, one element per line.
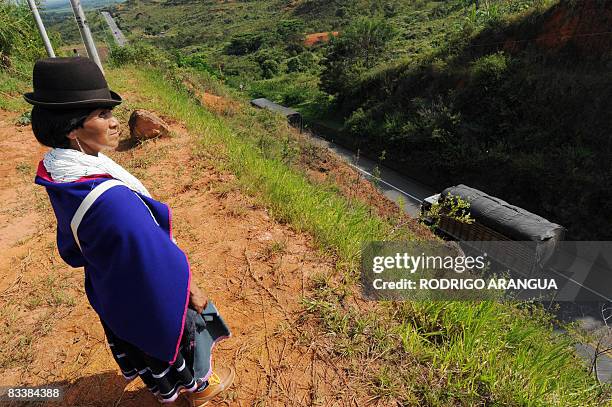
<point>240,215</point>
<point>518,110</point>
<point>246,262</point>
<point>274,228</point>
<point>510,97</point>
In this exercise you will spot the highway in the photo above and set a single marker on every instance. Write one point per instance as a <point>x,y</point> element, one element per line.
<point>117,34</point>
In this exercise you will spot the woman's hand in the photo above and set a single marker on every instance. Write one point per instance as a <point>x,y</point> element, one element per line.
<point>197,299</point>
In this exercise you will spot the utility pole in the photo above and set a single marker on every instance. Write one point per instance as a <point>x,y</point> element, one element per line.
<point>41,28</point>
<point>79,15</point>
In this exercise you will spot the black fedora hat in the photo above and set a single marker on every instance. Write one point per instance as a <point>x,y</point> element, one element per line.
<point>70,83</point>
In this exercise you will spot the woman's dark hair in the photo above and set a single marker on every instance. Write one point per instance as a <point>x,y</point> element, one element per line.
<point>51,127</point>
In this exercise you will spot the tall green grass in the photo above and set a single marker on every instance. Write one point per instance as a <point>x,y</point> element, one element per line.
<point>18,34</point>
<point>20,46</point>
<point>408,353</point>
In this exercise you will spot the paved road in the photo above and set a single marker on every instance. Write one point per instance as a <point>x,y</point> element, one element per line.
<point>117,34</point>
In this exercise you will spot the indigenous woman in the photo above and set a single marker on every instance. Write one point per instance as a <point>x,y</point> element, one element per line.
<point>158,324</point>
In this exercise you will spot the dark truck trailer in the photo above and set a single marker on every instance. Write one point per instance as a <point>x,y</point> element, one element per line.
<point>530,239</point>
<point>293,116</point>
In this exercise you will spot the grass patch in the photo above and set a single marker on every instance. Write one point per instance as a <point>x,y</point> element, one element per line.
<point>11,89</point>
<point>29,311</point>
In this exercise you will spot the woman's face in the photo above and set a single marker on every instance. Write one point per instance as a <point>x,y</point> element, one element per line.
<point>100,131</point>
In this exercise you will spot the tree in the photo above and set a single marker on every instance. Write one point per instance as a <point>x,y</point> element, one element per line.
<point>270,68</point>
<point>290,31</point>
<point>243,44</point>
<point>361,47</point>
<point>301,63</point>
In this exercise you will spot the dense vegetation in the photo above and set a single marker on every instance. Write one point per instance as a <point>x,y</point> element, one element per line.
<point>20,45</point>
<point>515,110</point>
<point>477,92</point>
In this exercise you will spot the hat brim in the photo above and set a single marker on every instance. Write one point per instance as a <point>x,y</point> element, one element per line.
<point>116,100</point>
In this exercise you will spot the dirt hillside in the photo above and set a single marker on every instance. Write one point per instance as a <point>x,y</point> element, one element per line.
<point>254,269</point>
<point>583,27</point>
<point>315,38</point>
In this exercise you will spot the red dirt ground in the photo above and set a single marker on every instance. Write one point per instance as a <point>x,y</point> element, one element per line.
<point>217,104</point>
<point>584,28</point>
<point>250,265</point>
<point>587,28</point>
<point>312,39</point>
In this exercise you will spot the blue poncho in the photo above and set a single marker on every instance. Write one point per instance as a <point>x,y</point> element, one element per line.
<point>136,278</point>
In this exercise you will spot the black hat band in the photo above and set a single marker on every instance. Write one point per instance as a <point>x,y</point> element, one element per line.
<point>62,95</point>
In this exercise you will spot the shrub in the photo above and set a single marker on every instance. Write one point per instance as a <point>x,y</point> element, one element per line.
<point>195,61</point>
<point>436,120</point>
<point>490,67</point>
<point>243,44</point>
<point>270,68</point>
<point>290,31</point>
<point>362,46</point>
<point>295,48</point>
<point>294,96</point>
<point>301,63</point>
<point>358,124</point>
<point>139,53</point>
<point>295,65</point>
<point>450,206</point>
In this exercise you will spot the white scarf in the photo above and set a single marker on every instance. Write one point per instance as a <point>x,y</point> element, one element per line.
<point>68,165</point>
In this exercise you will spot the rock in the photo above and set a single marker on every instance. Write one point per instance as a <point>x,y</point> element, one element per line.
<point>5,61</point>
<point>145,125</point>
<point>264,237</point>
